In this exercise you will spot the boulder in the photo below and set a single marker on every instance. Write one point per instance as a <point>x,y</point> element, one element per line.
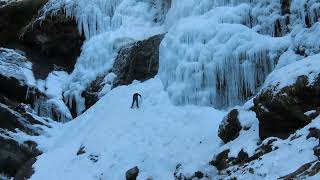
<point>221,160</point>
<point>132,173</point>
<point>139,61</point>
<point>230,127</point>
<point>281,114</point>
<point>13,155</point>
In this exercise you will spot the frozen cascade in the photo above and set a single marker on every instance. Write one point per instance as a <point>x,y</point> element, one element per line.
<point>221,67</point>
<point>305,12</point>
<point>219,61</point>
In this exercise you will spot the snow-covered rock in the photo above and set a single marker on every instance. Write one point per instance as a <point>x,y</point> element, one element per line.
<point>287,94</point>
<point>230,126</point>
<point>16,76</point>
<point>17,127</point>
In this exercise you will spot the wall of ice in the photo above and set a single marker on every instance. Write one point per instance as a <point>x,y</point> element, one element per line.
<point>219,52</point>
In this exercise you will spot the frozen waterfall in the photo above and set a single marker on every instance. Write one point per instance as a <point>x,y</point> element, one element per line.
<point>215,53</point>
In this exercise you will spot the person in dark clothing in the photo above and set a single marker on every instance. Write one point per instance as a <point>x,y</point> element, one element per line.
<point>135,99</point>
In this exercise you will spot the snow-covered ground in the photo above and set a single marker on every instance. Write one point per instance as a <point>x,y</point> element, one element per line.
<point>156,138</point>
<point>215,53</point>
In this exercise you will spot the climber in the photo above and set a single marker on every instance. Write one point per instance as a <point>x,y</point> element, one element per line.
<point>135,99</point>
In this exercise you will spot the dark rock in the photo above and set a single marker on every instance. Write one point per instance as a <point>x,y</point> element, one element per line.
<point>316,151</point>
<point>91,94</point>
<point>26,171</point>
<point>56,40</point>
<point>251,170</point>
<point>199,174</point>
<point>140,61</point>
<point>15,90</point>
<point>230,127</point>
<point>285,7</point>
<point>14,16</point>
<point>242,158</point>
<point>315,133</point>
<point>11,120</point>
<point>132,173</point>
<point>221,160</point>
<point>13,156</point>
<point>262,150</point>
<point>282,114</point>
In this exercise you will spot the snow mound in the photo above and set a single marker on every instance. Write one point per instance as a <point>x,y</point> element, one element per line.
<point>115,138</point>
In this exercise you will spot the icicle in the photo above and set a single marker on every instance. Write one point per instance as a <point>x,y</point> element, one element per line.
<point>27,93</point>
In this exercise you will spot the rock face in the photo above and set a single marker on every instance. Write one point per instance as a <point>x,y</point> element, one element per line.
<point>230,127</point>
<point>15,154</point>
<point>53,42</point>
<point>16,76</point>
<point>282,113</point>
<point>56,40</point>
<point>139,61</point>
<point>14,16</point>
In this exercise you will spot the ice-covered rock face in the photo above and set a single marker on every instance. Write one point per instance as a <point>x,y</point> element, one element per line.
<point>218,53</point>
<point>16,65</point>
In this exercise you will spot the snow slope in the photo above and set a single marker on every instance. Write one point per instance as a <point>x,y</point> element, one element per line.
<point>156,138</point>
